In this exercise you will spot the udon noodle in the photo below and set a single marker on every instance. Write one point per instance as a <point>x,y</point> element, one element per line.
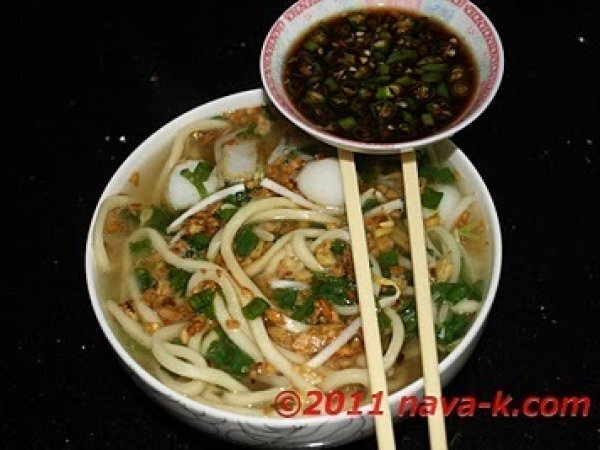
<point>229,274</point>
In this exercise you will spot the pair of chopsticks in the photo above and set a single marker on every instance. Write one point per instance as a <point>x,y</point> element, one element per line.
<point>429,359</point>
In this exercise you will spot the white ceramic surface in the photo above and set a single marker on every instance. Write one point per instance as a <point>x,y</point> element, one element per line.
<point>461,16</point>
<point>273,432</point>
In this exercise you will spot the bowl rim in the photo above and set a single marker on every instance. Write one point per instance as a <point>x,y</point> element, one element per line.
<point>256,96</point>
<point>380,148</point>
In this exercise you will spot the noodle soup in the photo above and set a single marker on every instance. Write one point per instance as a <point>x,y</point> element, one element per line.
<point>227,266</point>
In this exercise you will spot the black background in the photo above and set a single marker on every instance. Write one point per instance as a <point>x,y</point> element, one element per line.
<point>88,83</point>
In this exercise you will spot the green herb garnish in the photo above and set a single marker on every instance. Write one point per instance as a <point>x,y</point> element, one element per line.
<point>248,132</point>
<point>144,279</point>
<point>338,246</point>
<point>408,314</point>
<point>179,279</point>
<point>159,219</point>
<point>255,308</point>
<point>369,204</point>
<point>199,241</point>
<point>442,175</point>
<point>285,298</point>
<point>455,292</point>
<point>140,246</point>
<point>199,176</point>
<point>245,242</point>
<point>453,328</point>
<point>330,288</point>
<point>225,355</point>
<point>387,260</point>
<point>225,214</point>
<point>203,303</point>
<point>430,198</point>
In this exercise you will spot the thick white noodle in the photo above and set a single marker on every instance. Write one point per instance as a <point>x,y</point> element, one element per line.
<point>251,398</point>
<point>208,339</point>
<point>189,388</point>
<point>450,249</point>
<point>177,151</point>
<point>461,207</point>
<point>336,344</point>
<point>131,326</point>
<point>369,193</point>
<point>273,380</point>
<point>258,329</point>
<point>277,188</point>
<point>238,337</point>
<point>292,214</point>
<point>345,377</point>
<point>330,235</point>
<point>280,150</point>
<point>385,208</point>
<point>214,246</point>
<point>100,255</point>
<point>274,262</point>
<point>294,357</point>
<point>222,278</point>
<point>204,203</point>
<point>288,284</point>
<point>263,234</point>
<point>304,254</point>
<point>393,350</point>
<point>173,363</point>
<point>466,306</point>
<point>259,265</point>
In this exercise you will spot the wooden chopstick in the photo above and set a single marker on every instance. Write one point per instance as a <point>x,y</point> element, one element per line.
<point>383,423</point>
<point>429,357</point>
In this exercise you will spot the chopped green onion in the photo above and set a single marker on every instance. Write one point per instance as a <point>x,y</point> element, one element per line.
<point>225,214</point>
<point>255,308</point>
<point>383,69</point>
<point>225,355</point>
<point>369,204</point>
<point>159,219</point>
<point>405,81</point>
<point>203,303</point>
<point>179,279</point>
<point>408,314</point>
<point>384,322</point>
<point>199,241</point>
<point>442,90</point>
<point>304,310</point>
<point>245,242</point>
<point>238,199</point>
<point>144,279</point>
<point>311,46</point>
<point>387,260</point>
<point>333,289</point>
<point>384,92</point>
<point>453,328</point>
<point>427,119</point>
<point>455,292</point>
<point>432,77</point>
<point>435,67</point>
<point>442,175</point>
<point>338,246</point>
<point>347,123</point>
<point>140,246</point>
<point>200,174</point>
<point>331,84</point>
<point>285,298</point>
<point>430,198</point>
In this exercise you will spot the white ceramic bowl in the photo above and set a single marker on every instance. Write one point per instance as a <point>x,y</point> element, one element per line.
<point>272,432</point>
<point>461,16</point>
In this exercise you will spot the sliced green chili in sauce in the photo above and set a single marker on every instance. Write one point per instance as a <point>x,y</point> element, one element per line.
<point>380,75</point>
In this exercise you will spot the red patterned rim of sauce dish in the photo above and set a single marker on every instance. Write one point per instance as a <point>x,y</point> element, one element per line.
<point>485,91</point>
